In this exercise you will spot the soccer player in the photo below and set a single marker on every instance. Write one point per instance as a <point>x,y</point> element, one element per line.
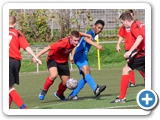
<point>124,33</point>
<point>80,59</point>
<point>135,56</point>
<point>16,41</point>
<point>57,62</point>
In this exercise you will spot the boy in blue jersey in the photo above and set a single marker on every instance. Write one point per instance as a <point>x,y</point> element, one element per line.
<point>79,55</point>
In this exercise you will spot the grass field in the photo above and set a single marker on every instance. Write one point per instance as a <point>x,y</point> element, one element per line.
<point>32,83</point>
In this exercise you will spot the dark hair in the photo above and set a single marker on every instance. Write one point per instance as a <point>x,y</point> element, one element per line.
<point>100,22</point>
<point>126,16</point>
<point>131,11</point>
<point>75,33</point>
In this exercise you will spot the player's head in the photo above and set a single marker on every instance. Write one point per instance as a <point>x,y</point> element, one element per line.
<point>126,19</point>
<point>98,26</point>
<point>132,13</point>
<point>74,37</point>
<point>12,21</point>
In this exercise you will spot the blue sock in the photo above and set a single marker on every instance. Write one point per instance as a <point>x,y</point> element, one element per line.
<point>81,84</point>
<point>91,82</point>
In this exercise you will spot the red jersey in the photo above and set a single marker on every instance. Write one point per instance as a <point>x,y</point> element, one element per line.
<point>137,28</point>
<point>16,41</point>
<point>60,50</point>
<point>128,38</point>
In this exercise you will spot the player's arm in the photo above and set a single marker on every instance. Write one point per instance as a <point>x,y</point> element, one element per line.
<point>85,35</point>
<point>72,55</point>
<point>118,48</point>
<point>44,50</point>
<point>89,41</point>
<point>134,46</point>
<point>30,51</point>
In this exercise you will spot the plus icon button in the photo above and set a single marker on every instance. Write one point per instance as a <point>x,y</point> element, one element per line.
<point>147,99</point>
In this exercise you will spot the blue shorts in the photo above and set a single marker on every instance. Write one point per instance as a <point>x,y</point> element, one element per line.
<point>81,62</point>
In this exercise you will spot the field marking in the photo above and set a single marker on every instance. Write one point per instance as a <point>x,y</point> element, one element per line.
<point>72,101</point>
<point>127,106</point>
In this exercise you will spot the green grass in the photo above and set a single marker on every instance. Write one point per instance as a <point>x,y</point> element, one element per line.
<point>31,83</point>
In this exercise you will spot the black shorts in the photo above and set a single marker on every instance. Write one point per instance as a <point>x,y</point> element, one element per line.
<point>14,68</point>
<point>63,68</point>
<point>137,63</point>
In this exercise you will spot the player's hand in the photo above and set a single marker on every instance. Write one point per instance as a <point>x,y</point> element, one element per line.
<point>36,60</point>
<point>72,61</point>
<point>118,49</point>
<point>100,47</point>
<point>127,54</point>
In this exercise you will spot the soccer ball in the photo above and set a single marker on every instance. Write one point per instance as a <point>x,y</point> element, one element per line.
<point>71,83</point>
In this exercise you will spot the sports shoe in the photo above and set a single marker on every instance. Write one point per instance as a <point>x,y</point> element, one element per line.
<point>61,97</point>
<point>99,90</point>
<point>119,100</point>
<point>131,85</point>
<point>73,98</point>
<point>42,94</point>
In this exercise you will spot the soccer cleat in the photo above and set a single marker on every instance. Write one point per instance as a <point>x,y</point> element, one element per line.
<point>61,97</point>
<point>117,100</point>
<point>131,85</point>
<point>42,94</point>
<point>23,106</point>
<point>99,90</point>
<point>73,98</point>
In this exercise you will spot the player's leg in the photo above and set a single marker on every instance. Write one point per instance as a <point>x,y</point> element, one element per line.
<point>16,98</point>
<point>87,76</point>
<point>74,93</point>
<point>132,82</point>
<point>53,73</point>
<point>138,64</point>
<point>14,67</point>
<point>142,74</point>
<point>123,85</point>
<point>64,73</point>
<point>61,88</point>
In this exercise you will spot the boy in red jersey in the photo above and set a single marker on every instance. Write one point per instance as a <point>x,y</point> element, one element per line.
<point>124,33</point>
<point>57,62</point>
<point>16,41</point>
<point>135,56</point>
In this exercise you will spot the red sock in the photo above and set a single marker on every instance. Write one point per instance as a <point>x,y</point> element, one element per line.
<point>61,89</point>
<point>17,99</point>
<point>131,77</point>
<point>47,83</point>
<point>124,86</point>
<point>143,74</point>
<point>10,101</point>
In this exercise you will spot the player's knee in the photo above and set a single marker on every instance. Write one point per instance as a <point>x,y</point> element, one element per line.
<point>52,77</point>
<point>86,70</point>
<point>125,70</point>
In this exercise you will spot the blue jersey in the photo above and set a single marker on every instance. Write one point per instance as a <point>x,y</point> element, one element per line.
<point>83,47</point>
